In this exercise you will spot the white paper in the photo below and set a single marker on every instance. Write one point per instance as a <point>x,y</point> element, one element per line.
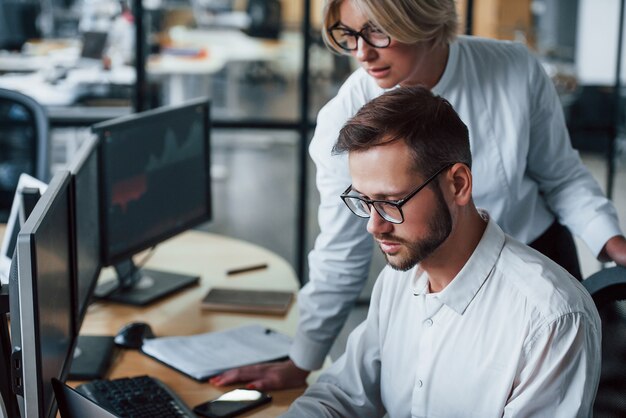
<point>204,355</point>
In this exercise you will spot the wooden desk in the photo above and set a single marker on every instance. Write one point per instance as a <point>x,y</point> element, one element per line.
<point>208,255</point>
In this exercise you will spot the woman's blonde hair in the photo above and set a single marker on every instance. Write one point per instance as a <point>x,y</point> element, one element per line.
<point>407,21</point>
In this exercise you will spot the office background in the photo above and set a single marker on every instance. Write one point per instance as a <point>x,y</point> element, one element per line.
<point>195,48</point>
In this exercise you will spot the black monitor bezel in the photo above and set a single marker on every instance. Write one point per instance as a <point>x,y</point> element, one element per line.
<point>26,325</point>
<point>90,146</point>
<point>100,129</point>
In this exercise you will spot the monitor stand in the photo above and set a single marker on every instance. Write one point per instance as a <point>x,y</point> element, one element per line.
<point>142,286</point>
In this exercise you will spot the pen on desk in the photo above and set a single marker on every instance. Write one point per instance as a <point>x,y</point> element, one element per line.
<point>246,269</point>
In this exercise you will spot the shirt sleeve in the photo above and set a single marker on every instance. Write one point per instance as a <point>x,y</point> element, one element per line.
<point>559,373</point>
<point>339,261</point>
<point>351,386</point>
<point>569,189</point>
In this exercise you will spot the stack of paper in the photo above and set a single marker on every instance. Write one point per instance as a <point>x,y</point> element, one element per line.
<point>204,355</point>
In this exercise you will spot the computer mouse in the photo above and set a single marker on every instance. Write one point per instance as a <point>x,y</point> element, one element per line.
<point>133,334</point>
<point>55,74</point>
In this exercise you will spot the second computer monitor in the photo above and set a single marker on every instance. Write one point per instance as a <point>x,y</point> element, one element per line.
<point>154,183</point>
<point>86,223</point>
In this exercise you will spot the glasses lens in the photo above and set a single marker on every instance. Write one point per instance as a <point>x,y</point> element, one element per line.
<point>389,212</point>
<point>377,38</point>
<point>344,38</point>
<point>357,206</point>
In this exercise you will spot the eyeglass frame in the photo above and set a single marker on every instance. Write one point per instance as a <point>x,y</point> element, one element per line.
<point>395,203</point>
<point>357,35</point>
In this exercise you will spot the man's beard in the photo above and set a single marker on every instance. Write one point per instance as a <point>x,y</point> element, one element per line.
<point>439,226</point>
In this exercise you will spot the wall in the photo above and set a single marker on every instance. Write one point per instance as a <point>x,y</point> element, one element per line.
<point>596,42</point>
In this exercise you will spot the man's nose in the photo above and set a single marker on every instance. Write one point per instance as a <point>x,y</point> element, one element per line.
<point>376,224</point>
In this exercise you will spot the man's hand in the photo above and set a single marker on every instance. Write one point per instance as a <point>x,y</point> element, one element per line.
<point>615,249</point>
<point>266,376</point>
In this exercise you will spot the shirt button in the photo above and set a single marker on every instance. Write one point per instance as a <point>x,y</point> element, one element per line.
<point>428,322</point>
<point>419,384</point>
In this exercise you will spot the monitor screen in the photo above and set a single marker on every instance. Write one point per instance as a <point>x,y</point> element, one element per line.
<point>86,223</point>
<point>155,177</point>
<point>94,44</point>
<point>42,307</point>
<point>18,22</point>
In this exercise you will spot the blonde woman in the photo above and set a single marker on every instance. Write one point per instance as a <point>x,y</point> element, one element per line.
<point>526,173</point>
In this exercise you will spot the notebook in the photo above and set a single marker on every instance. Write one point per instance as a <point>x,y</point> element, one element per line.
<point>247,300</point>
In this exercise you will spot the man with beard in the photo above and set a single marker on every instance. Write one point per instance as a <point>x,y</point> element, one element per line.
<point>464,321</point>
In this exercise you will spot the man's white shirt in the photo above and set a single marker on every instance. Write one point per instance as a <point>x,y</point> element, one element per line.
<point>512,335</point>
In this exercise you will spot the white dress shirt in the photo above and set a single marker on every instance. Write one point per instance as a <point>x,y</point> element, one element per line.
<point>512,335</point>
<point>525,174</point>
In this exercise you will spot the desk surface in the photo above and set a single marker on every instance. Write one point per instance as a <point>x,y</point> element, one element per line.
<point>210,256</point>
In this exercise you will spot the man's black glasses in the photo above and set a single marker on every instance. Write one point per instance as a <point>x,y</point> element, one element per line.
<point>389,210</point>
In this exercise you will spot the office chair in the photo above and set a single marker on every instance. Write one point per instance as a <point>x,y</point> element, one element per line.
<point>608,289</point>
<point>24,144</point>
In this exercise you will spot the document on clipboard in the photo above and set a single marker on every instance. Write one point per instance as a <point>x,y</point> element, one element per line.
<point>202,356</point>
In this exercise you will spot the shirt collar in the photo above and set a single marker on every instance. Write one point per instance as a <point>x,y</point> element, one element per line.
<point>448,72</point>
<point>464,287</point>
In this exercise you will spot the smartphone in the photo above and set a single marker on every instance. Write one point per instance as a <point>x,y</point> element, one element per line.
<point>232,403</point>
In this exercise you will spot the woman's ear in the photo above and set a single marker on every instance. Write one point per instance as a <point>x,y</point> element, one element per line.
<point>460,178</point>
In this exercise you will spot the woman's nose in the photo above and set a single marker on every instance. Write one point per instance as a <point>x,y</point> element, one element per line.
<point>364,52</point>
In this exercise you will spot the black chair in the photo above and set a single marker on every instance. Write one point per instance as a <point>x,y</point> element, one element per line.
<point>24,144</point>
<point>608,289</point>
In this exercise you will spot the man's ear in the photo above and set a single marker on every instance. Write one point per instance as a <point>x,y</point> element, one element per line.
<point>460,179</point>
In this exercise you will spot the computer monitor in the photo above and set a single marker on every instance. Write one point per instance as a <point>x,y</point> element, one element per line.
<point>155,183</point>
<point>92,355</point>
<point>18,22</point>
<point>94,44</point>
<point>42,301</point>
<point>86,220</point>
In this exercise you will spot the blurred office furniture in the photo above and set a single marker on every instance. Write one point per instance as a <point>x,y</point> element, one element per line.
<point>608,289</point>
<point>218,14</point>
<point>590,118</point>
<point>60,86</point>
<point>64,17</point>
<point>202,52</point>
<point>38,54</point>
<point>24,145</point>
<point>18,23</point>
<point>265,18</point>
<point>75,90</point>
<point>596,120</point>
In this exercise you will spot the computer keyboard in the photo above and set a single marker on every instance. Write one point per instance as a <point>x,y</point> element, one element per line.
<point>136,397</point>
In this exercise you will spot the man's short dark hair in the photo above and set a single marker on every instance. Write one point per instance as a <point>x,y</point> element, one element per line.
<point>427,123</point>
